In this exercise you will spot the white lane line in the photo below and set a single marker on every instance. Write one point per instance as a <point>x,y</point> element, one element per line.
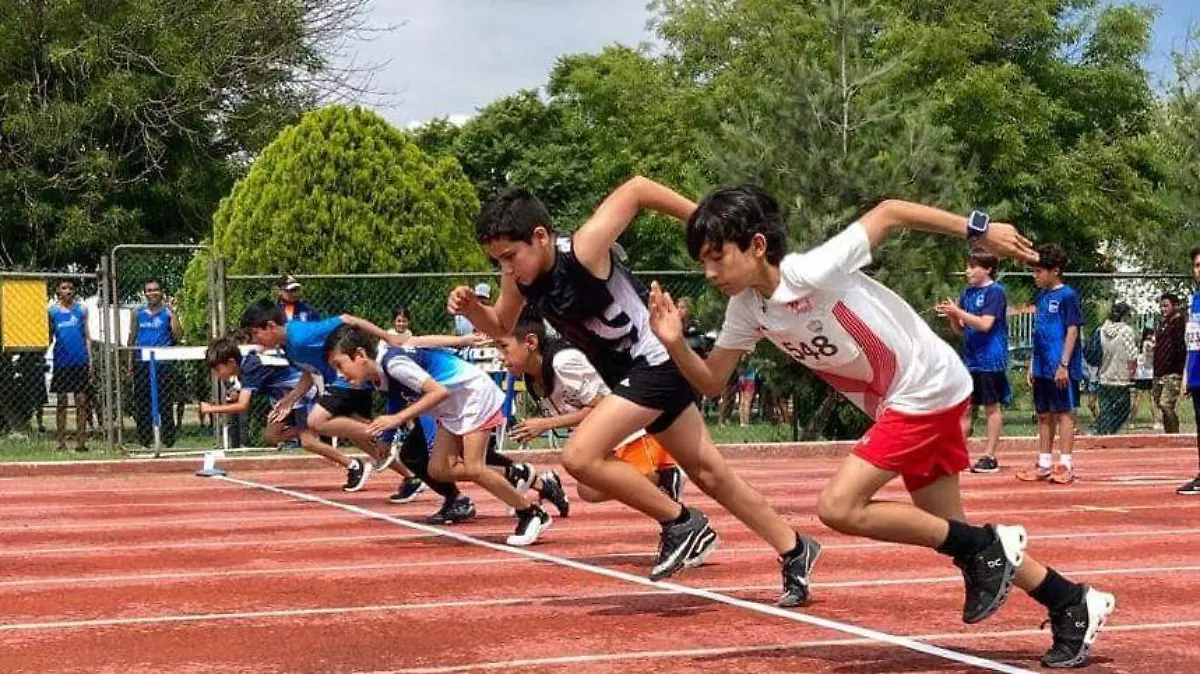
<point>538,663</point>
<point>795,616</point>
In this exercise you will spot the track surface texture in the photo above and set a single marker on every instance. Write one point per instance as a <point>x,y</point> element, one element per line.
<point>280,571</point>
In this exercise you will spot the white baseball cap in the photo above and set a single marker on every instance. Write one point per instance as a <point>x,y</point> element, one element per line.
<point>483,290</point>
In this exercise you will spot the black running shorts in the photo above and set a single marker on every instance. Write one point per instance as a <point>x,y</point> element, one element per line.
<point>347,402</point>
<point>658,387</point>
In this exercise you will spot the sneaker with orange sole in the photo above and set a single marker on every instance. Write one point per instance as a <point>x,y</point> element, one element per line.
<point>1033,474</point>
<point>1061,474</point>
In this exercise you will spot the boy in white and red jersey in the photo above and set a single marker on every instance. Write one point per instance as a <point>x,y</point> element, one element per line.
<point>869,344</point>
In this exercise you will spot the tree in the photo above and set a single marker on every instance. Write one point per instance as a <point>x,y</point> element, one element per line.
<point>343,192</point>
<point>127,120</point>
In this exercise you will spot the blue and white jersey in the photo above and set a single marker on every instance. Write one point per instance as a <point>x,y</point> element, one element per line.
<point>70,336</point>
<point>273,377</point>
<point>154,328</point>
<point>1191,338</point>
<point>1057,310</point>
<point>986,351</point>
<point>474,397</point>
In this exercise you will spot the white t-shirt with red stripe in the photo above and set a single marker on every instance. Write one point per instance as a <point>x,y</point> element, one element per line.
<point>860,337</point>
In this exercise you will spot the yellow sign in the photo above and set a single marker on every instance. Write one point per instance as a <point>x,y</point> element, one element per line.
<point>23,322</point>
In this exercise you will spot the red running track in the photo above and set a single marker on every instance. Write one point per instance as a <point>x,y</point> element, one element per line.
<point>172,573</point>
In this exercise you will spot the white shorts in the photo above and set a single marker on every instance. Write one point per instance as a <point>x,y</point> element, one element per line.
<point>471,404</point>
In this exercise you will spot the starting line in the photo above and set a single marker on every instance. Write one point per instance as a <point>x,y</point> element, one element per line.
<point>795,616</point>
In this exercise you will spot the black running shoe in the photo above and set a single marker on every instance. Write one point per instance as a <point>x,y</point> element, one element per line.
<point>680,542</point>
<point>986,464</point>
<point>797,568</point>
<point>670,481</point>
<point>409,489</point>
<point>356,476</point>
<point>453,512</point>
<point>552,491</point>
<point>530,524</point>
<point>1075,629</point>
<point>988,574</point>
<point>1190,489</point>
<point>520,476</point>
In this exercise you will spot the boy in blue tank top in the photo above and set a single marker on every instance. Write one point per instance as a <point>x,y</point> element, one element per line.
<point>154,324</point>
<point>72,362</point>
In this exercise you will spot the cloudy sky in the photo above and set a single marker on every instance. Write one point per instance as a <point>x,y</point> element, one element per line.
<point>449,57</point>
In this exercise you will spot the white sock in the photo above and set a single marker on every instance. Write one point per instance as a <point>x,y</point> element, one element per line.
<point>1044,460</point>
<point>1065,459</point>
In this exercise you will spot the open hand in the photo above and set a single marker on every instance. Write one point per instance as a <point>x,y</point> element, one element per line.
<point>1004,240</point>
<point>384,423</point>
<point>665,321</point>
<point>528,429</point>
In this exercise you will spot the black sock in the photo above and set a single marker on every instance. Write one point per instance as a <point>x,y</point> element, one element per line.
<point>683,517</point>
<point>964,540</point>
<point>797,549</point>
<point>1056,593</point>
<point>494,458</point>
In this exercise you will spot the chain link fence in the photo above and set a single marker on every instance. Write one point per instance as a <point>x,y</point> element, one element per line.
<point>784,401</point>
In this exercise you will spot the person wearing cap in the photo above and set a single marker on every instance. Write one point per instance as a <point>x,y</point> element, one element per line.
<point>1119,352</point>
<point>289,301</point>
<point>463,326</point>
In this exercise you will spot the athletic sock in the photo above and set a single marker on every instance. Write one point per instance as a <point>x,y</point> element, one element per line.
<point>1065,459</point>
<point>796,550</point>
<point>964,540</point>
<point>683,518</point>
<point>1044,460</point>
<point>1056,593</point>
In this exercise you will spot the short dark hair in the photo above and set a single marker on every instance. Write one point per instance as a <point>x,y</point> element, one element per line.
<point>514,214</point>
<point>262,312</point>
<point>530,322</point>
<point>1170,297</point>
<point>153,280</point>
<point>1051,256</point>
<point>65,280</point>
<point>736,215</point>
<point>985,260</point>
<point>1195,253</point>
<point>223,350</point>
<point>346,340</point>
<point>1119,312</point>
<point>401,311</point>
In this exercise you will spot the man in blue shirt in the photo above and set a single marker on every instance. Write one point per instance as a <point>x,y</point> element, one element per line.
<point>1056,367</point>
<point>154,324</point>
<point>72,362</point>
<point>980,316</point>
<point>1191,371</point>
<point>291,305</point>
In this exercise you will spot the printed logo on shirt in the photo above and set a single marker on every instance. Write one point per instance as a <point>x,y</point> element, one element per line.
<point>1052,306</point>
<point>979,302</point>
<point>815,326</point>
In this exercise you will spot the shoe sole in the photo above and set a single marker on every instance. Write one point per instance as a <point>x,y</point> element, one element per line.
<point>1013,540</point>
<point>784,601</point>
<point>519,542</point>
<point>986,471</point>
<point>1187,493</point>
<point>1100,605</point>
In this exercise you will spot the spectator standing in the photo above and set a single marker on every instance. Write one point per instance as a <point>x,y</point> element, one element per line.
<point>155,325</point>
<point>72,362</point>
<point>1170,356</point>
<point>289,301</point>
<point>981,317</point>
<point>1118,362</point>
<point>462,326</point>
<point>1191,372</point>
<point>1143,379</point>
